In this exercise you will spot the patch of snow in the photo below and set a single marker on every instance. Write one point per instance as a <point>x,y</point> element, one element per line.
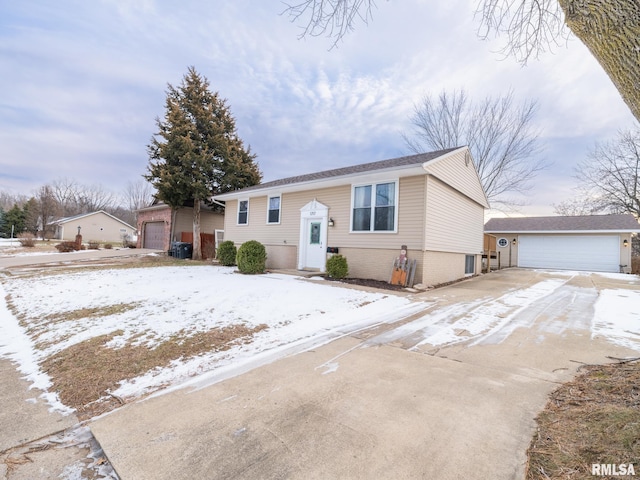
<point>617,317</point>
<point>479,320</point>
<point>16,345</point>
<point>151,305</point>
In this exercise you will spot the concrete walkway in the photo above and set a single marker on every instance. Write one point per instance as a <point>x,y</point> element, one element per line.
<point>367,406</point>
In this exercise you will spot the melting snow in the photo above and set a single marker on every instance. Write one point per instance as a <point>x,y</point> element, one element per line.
<point>150,305</point>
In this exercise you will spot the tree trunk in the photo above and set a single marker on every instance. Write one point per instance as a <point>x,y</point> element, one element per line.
<point>197,248</point>
<point>611,31</point>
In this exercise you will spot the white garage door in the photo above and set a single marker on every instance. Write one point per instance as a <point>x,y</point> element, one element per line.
<point>595,253</point>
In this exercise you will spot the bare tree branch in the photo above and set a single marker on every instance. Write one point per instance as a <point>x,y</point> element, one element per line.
<point>499,133</point>
<point>333,18</point>
<point>610,176</point>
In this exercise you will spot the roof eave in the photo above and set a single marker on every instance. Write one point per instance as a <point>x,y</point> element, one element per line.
<point>395,172</point>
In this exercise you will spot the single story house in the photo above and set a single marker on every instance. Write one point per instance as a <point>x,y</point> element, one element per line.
<point>598,243</point>
<point>433,203</point>
<point>159,226</point>
<point>97,226</point>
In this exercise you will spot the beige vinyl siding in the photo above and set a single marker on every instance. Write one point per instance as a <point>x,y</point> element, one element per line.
<point>98,227</point>
<point>443,267</point>
<point>455,171</point>
<point>209,222</point>
<point>410,210</point>
<point>377,264</point>
<point>454,223</point>
<point>338,199</point>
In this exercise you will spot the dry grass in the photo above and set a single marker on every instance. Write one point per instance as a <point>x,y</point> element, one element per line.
<point>85,374</point>
<point>595,419</point>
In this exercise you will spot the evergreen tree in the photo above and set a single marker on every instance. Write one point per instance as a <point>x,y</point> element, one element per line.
<point>13,218</point>
<point>31,216</point>
<point>2,222</point>
<point>197,152</point>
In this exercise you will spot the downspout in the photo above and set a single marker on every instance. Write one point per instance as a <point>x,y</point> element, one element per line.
<point>174,212</point>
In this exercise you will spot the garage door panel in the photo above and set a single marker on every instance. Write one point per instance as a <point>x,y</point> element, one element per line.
<point>154,235</point>
<point>598,253</point>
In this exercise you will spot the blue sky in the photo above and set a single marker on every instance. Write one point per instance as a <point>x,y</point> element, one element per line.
<point>83,82</point>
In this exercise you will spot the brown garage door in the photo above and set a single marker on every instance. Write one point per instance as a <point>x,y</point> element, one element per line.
<point>154,235</point>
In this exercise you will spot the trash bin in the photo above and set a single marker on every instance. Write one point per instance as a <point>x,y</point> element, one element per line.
<point>182,250</point>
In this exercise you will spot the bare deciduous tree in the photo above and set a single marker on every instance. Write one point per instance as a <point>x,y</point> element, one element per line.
<point>138,194</point>
<point>610,175</point>
<point>48,208</point>
<point>499,134</point>
<point>75,199</point>
<point>609,28</point>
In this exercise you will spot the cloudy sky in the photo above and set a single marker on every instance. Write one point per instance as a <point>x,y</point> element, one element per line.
<point>83,81</point>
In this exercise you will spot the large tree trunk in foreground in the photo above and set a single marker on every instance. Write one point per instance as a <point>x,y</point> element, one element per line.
<point>611,31</point>
<point>197,248</point>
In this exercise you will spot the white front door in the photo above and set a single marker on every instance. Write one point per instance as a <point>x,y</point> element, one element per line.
<point>313,236</point>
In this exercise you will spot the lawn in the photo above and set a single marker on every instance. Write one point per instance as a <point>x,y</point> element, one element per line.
<point>95,338</point>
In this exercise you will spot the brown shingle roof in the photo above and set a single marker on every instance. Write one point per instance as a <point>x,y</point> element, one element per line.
<point>624,222</point>
<point>362,168</point>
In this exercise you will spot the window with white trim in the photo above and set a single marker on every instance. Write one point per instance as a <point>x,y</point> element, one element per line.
<point>374,207</point>
<point>273,209</point>
<point>243,212</point>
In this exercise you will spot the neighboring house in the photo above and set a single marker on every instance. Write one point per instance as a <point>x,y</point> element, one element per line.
<point>599,243</point>
<point>98,226</point>
<point>159,226</point>
<point>433,203</point>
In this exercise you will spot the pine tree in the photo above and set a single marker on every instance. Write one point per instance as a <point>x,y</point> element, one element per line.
<point>14,221</point>
<point>197,152</point>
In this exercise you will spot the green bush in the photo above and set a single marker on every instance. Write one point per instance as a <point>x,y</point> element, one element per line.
<point>337,266</point>
<point>251,257</point>
<point>227,253</point>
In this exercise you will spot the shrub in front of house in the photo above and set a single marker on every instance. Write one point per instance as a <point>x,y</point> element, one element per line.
<point>108,246</point>
<point>27,240</point>
<point>337,266</point>
<point>227,253</point>
<point>251,257</point>
<point>94,245</point>
<point>68,247</point>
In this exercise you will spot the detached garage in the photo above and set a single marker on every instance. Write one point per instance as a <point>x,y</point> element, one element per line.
<point>598,243</point>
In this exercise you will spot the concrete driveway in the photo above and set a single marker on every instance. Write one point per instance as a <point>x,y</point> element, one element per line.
<point>383,403</point>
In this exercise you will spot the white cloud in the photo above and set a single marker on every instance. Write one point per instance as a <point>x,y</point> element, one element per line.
<point>81,91</point>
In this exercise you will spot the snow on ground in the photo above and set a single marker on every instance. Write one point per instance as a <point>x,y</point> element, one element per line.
<point>551,304</point>
<point>617,317</point>
<point>150,305</point>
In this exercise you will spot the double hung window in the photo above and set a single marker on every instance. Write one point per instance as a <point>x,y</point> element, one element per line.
<point>374,207</point>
